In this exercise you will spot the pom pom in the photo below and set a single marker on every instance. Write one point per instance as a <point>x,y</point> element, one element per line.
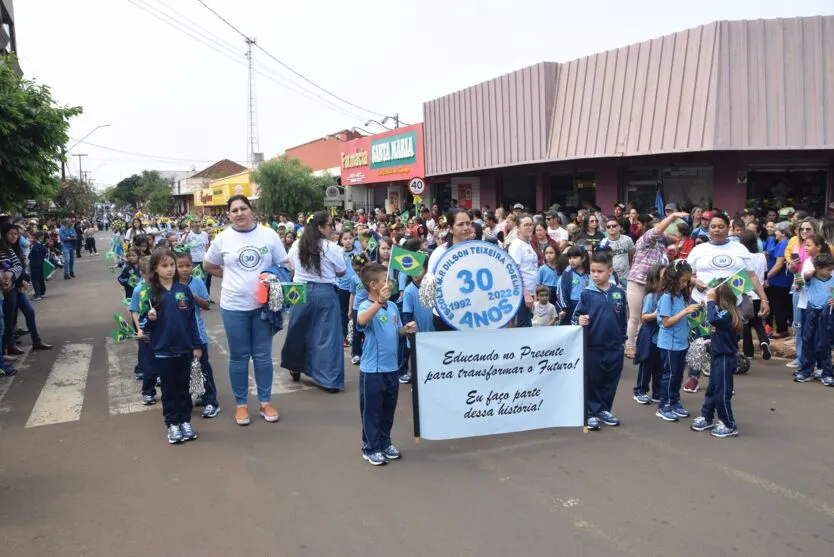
<point>196,384</point>
<point>349,337</point>
<point>698,357</point>
<point>276,296</point>
<point>428,291</point>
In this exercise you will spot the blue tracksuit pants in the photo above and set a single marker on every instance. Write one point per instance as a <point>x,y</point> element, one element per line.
<point>720,390</point>
<point>649,374</point>
<point>605,366</point>
<point>674,362</point>
<point>378,393</point>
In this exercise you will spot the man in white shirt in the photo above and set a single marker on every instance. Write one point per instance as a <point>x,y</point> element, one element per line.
<point>555,229</point>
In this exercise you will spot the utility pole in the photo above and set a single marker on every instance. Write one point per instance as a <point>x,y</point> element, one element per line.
<point>80,174</point>
<point>252,145</point>
<point>396,120</point>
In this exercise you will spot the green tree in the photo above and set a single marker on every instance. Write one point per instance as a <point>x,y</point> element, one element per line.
<point>33,131</point>
<point>288,187</point>
<point>160,202</point>
<point>74,198</point>
<point>125,192</point>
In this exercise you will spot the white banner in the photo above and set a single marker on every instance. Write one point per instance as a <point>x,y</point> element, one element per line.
<point>485,382</point>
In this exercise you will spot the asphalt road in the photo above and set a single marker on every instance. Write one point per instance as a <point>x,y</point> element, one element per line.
<point>92,474</point>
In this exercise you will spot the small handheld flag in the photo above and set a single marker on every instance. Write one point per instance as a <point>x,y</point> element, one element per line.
<point>740,283</point>
<point>197,272</point>
<point>372,243</point>
<point>408,262</point>
<point>295,293</point>
<point>698,322</point>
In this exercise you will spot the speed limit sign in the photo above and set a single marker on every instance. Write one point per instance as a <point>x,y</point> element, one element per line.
<point>416,186</point>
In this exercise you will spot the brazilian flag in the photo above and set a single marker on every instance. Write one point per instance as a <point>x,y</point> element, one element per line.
<point>698,322</point>
<point>197,272</point>
<point>372,243</point>
<point>408,262</point>
<point>295,293</point>
<point>740,283</point>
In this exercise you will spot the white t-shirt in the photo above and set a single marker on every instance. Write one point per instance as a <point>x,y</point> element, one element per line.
<point>760,267</point>
<point>544,315</point>
<point>709,261</point>
<point>802,302</point>
<point>244,256</point>
<point>430,226</point>
<point>528,262</point>
<point>200,241</point>
<point>332,262</point>
<point>558,234</point>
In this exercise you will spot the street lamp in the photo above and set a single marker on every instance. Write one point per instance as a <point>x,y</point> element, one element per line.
<point>369,122</point>
<point>64,152</point>
<point>396,119</point>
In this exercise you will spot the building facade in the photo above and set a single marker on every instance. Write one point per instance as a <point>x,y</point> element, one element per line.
<point>376,169</point>
<point>729,114</point>
<point>8,38</point>
<point>184,189</point>
<point>323,155</point>
<point>211,200</point>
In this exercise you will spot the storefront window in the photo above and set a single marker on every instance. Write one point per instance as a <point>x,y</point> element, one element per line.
<point>519,189</point>
<point>687,186</point>
<point>797,188</point>
<point>573,190</point>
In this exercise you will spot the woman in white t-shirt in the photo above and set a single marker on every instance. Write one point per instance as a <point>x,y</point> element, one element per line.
<point>460,231</point>
<point>239,255</point>
<point>314,336</point>
<point>720,259</point>
<point>528,263</point>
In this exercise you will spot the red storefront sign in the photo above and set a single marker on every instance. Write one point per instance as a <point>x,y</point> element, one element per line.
<point>390,156</point>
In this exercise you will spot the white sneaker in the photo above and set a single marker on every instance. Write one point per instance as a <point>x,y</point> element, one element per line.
<point>792,363</point>
<point>355,360</point>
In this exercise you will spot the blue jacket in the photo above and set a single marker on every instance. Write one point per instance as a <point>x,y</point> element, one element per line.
<point>608,312</point>
<point>174,332</point>
<point>38,254</point>
<point>724,337</point>
<point>68,236</point>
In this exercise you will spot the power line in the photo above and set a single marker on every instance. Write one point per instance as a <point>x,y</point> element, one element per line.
<point>305,78</point>
<point>207,41</point>
<point>158,158</point>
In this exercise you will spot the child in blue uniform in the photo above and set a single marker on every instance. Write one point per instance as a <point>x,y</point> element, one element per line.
<point>379,319</point>
<point>673,338</point>
<point>602,308</point>
<point>549,274</point>
<point>358,294</point>
<point>130,274</point>
<point>343,282</point>
<point>144,358</point>
<point>817,322</point>
<point>413,310</point>
<point>572,282</point>
<point>723,315</point>
<point>37,255</point>
<point>185,269</point>
<point>647,354</point>
<point>175,342</point>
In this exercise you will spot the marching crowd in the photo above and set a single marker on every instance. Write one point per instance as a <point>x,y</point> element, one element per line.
<point>635,279</point>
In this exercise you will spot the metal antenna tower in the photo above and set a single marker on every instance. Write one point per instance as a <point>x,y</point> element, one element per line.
<point>252,146</point>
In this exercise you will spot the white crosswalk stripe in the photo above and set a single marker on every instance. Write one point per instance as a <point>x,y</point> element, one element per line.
<point>62,396</point>
<point>123,390</point>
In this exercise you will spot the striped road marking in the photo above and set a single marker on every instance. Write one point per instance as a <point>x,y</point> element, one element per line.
<point>62,397</point>
<point>6,382</point>
<point>281,381</point>
<point>124,392</point>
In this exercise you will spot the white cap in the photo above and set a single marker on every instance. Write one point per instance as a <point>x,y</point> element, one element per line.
<point>518,206</point>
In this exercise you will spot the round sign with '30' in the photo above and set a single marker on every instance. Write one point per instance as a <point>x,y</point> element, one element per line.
<point>416,186</point>
<point>478,286</point>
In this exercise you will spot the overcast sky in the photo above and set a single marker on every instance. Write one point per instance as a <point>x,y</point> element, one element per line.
<point>169,96</point>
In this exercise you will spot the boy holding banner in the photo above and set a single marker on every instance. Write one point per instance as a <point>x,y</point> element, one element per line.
<point>379,319</point>
<point>603,311</point>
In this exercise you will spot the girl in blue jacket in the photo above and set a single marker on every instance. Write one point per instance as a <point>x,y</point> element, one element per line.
<point>175,342</point>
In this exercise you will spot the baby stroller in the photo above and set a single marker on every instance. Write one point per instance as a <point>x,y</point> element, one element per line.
<point>698,356</point>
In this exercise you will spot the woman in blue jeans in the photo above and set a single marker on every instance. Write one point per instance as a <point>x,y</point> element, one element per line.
<point>314,336</point>
<point>239,255</point>
<point>15,298</point>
